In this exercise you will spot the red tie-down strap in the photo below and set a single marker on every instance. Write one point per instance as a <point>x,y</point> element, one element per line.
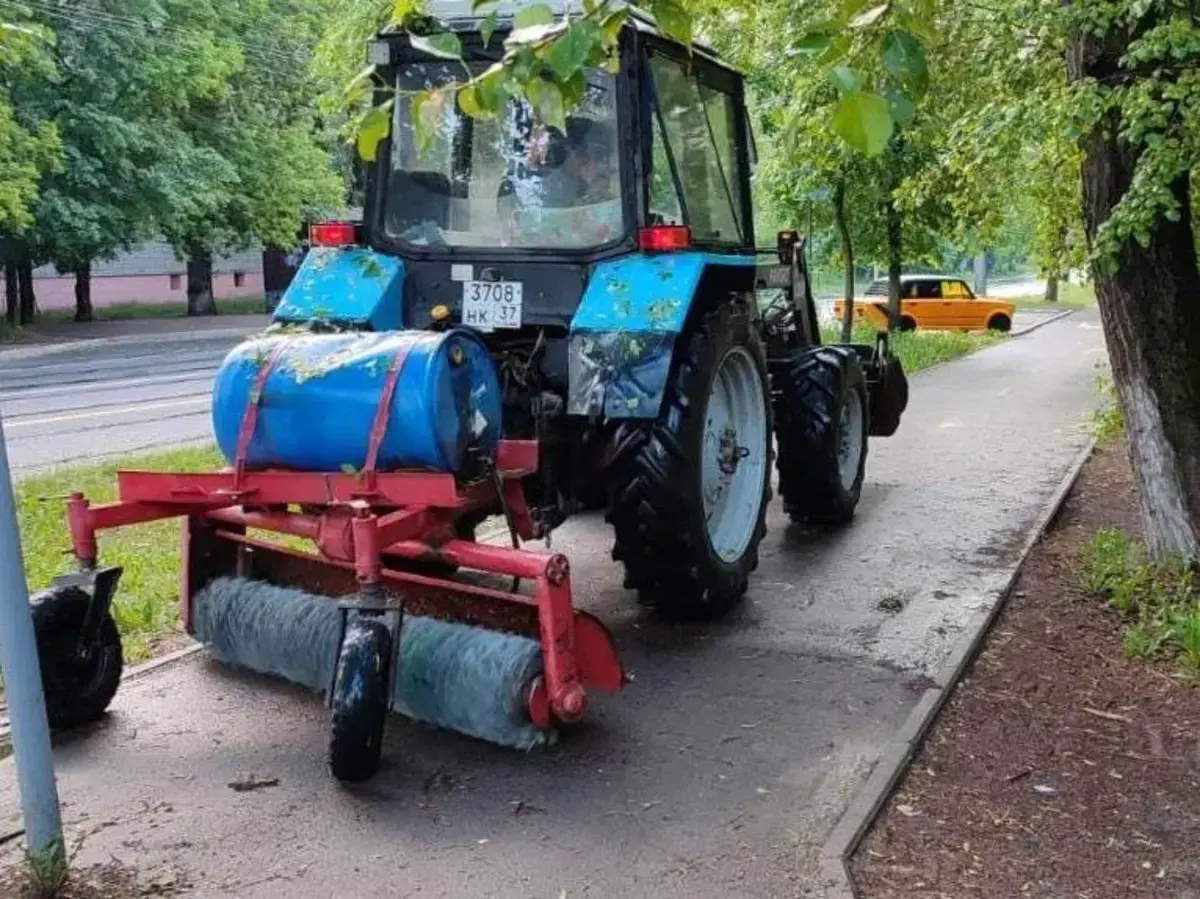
<point>250,416</point>
<point>383,414</point>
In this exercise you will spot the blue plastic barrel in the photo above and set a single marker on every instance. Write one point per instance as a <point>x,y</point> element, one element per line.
<point>319,402</point>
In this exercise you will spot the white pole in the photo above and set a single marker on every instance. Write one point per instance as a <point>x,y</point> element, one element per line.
<point>23,688</point>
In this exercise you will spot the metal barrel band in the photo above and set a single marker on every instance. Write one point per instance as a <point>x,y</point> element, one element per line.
<point>250,416</point>
<point>383,414</point>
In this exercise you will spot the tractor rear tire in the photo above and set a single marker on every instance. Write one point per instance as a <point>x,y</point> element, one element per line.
<point>77,689</point>
<point>689,537</point>
<point>359,702</point>
<point>821,423</point>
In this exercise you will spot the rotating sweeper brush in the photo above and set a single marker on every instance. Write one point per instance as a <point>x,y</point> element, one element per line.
<point>360,616</point>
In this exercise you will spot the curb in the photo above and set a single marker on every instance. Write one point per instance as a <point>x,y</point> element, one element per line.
<point>893,762</point>
<point>48,349</point>
<point>1051,318</point>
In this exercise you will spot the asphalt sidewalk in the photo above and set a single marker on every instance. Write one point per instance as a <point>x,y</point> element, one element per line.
<point>719,772</point>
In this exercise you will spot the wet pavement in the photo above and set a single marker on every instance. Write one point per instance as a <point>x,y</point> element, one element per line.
<point>718,773</point>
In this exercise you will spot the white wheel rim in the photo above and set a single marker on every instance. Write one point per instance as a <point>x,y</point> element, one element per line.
<point>734,455</point>
<point>850,447</point>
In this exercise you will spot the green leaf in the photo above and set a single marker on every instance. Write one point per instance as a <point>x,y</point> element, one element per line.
<point>489,89</point>
<point>488,28</point>
<point>904,58</point>
<point>535,14</point>
<point>468,102</point>
<point>445,45</point>
<point>532,34</point>
<point>426,110</point>
<point>547,99</point>
<point>845,79</point>
<point>869,16</point>
<point>612,23</point>
<point>838,48</point>
<point>567,55</point>
<point>573,89</point>
<point>673,19</point>
<point>476,5</point>
<point>863,120</point>
<point>902,108</point>
<point>372,130</point>
<point>812,43</point>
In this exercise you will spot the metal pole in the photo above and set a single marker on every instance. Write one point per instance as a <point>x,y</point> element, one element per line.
<point>23,688</point>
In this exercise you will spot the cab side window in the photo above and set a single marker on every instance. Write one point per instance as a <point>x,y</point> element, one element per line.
<point>929,290</point>
<point>955,290</point>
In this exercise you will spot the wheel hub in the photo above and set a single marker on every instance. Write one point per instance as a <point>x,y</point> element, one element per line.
<point>734,455</point>
<point>729,454</point>
<point>850,442</point>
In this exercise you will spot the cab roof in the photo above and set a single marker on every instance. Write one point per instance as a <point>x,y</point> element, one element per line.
<point>457,15</point>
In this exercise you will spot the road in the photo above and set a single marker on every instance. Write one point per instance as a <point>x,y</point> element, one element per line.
<point>75,403</point>
<point>718,773</point>
<point>78,402</point>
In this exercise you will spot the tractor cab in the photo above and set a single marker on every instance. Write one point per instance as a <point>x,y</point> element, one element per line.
<point>501,222</point>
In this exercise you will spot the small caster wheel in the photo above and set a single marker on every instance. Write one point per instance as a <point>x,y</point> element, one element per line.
<point>359,702</point>
<point>78,682</point>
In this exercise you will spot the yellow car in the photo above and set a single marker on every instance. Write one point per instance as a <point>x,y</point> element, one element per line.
<point>932,302</point>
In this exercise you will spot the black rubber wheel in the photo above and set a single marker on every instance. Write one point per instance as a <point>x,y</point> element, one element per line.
<point>656,505</point>
<point>78,689</point>
<point>359,703</point>
<point>908,323</point>
<point>1000,322</point>
<point>815,393</point>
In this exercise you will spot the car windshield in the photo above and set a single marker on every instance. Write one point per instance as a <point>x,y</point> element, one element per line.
<point>504,181</point>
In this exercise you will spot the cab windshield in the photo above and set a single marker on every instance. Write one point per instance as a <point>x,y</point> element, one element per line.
<point>505,181</point>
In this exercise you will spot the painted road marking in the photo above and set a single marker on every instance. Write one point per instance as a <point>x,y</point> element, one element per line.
<point>100,413</point>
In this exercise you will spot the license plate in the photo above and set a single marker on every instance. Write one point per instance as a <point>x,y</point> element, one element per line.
<point>488,305</point>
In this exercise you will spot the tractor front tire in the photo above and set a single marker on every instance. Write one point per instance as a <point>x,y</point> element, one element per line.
<point>359,702</point>
<point>821,423</point>
<point>689,490</point>
<point>77,687</point>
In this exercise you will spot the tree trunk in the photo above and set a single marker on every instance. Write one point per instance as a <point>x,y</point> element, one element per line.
<point>1052,287</point>
<point>200,284</point>
<point>843,228</point>
<point>12,293</point>
<point>1151,324</point>
<point>27,307</point>
<point>981,274</point>
<point>895,261</point>
<point>83,293</point>
<point>276,275</point>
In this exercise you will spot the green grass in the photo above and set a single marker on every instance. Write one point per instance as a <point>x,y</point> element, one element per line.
<point>127,311</point>
<point>919,350</point>
<point>1070,296</point>
<point>1108,422</point>
<point>146,606</point>
<point>1158,600</point>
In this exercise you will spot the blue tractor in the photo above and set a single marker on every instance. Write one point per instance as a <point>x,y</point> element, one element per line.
<point>663,360</point>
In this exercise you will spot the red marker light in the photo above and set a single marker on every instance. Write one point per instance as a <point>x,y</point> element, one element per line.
<point>333,234</point>
<point>665,238</point>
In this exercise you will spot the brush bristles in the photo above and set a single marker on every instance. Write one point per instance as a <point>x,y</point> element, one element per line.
<point>469,679</point>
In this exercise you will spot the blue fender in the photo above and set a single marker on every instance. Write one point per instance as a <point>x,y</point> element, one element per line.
<point>347,285</point>
<point>623,333</point>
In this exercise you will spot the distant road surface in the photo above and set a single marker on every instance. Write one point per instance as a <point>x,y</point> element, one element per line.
<point>75,403</point>
<point>82,401</point>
